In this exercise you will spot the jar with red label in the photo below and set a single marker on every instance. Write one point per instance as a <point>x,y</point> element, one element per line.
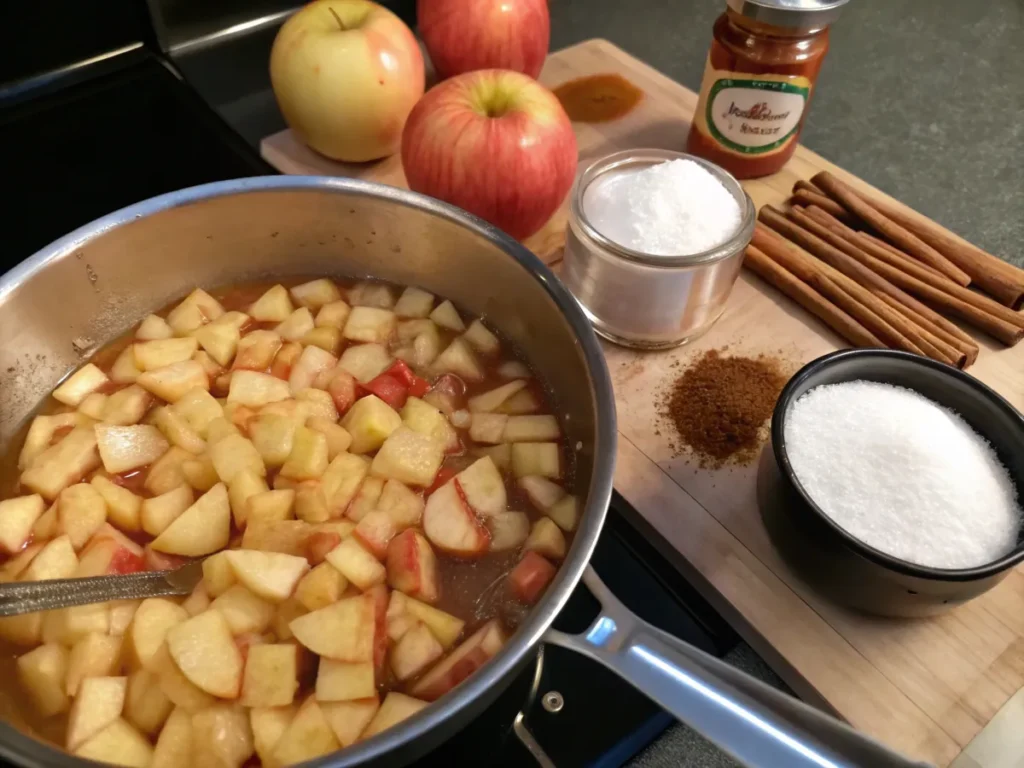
<point>764,60</point>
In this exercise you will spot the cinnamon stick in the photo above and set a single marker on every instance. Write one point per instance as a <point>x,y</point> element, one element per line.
<point>999,329</point>
<point>1001,280</point>
<point>900,334</point>
<point>960,356</point>
<point>805,193</point>
<point>807,186</point>
<point>895,256</point>
<point>982,302</point>
<point>925,316</point>
<point>907,241</point>
<point>808,298</point>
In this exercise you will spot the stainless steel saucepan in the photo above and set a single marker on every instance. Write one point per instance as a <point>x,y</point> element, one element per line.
<point>91,286</point>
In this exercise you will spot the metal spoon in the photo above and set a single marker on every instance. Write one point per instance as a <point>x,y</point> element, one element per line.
<point>31,596</point>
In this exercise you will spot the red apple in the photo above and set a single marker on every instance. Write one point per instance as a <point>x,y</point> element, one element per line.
<point>345,74</point>
<point>494,142</point>
<point>463,35</point>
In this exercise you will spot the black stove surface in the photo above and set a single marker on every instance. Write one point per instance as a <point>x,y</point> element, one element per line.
<point>136,129</point>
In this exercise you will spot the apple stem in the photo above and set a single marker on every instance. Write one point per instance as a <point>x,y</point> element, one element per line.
<point>337,18</point>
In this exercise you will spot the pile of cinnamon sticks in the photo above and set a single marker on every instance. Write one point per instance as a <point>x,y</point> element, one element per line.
<point>883,277</point>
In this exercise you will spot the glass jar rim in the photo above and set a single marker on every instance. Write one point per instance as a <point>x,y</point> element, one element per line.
<point>646,157</point>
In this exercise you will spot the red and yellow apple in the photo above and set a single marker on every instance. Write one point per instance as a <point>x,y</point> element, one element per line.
<point>463,35</point>
<point>496,143</point>
<point>345,74</point>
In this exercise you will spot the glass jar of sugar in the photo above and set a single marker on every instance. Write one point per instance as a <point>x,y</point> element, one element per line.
<point>654,245</point>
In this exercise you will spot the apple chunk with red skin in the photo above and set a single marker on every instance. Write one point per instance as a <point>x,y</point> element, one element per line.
<point>515,159</point>
<point>451,525</point>
<point>529,579</point>
<point>412,566</point>
<point>476,651</point>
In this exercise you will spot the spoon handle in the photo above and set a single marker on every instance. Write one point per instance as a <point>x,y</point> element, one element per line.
<point>30,596</point>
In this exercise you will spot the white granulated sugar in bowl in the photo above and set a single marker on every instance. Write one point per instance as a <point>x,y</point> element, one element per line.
<point>674,208</point>
<point>903,474</point>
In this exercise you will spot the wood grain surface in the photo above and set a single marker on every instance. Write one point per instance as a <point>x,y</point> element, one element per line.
<point>925,686</point>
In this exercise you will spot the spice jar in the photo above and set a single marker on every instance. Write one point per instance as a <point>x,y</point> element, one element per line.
<point>764,60</point>
<point>643,299</point>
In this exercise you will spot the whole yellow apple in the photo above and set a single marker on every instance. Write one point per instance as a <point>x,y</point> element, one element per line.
<point>346,73</point>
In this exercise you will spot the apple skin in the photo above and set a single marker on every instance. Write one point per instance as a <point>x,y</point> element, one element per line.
<point>464,35</point>
<point>494,142</point>
<point>345,74</point>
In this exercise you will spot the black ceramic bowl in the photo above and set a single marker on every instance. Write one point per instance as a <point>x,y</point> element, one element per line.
<point>833,561</point>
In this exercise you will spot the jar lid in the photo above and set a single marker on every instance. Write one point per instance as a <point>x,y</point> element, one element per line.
<point>797,14</point>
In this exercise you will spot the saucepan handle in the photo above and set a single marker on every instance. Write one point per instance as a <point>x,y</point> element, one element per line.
<point>755,723</point>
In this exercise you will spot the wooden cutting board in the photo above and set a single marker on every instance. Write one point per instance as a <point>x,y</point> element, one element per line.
<point>926,687</point>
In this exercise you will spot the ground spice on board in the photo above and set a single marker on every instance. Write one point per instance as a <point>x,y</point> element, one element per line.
<point>719,406</point>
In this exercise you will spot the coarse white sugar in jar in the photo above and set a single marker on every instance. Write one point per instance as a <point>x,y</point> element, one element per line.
<point>674,208</point>
<point>654,245</point>
<point>903,474</point>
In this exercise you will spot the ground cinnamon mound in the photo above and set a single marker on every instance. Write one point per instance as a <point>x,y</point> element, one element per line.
<point>719,406</point>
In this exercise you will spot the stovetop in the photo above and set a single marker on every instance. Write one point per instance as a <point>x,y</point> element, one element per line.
<point>131,127</point>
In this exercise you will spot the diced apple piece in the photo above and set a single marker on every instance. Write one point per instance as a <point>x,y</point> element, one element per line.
<point>76,387</point>
<point>81,511</point>
<point>375,530</point>
<point>153,327</point>
<point>152,355</point>
<point>514,369</point>
<point>446,628</point>
<point>202,529</point>
<point>200,473</point>
<point>25,629</point>
<point>126,406</point>
<point>98,704</point>
<point>412,566</point>
<point>414,302</point>
<point>166,473</point>
<point>366,499</point>
<point>123,506</point>
<point>541,492</point>
<point>41,432</point>
<point>244,611</point>
<point>17,516</point>
<point>256,389</point>
<point>345,631</point>
<point>316,403</point>
<point>62,464</point>
<point>408,456</point>
<point>271,675</point>
<point>323,539</point>
<point>311,503</point>
<point>492,400</point>
<point>357,564</point>
<point>487,427</point>
<point>72,624</point>
<point>338,438</point>
<point>428,420</point>
<point>42,672</point>
<point>285,358</point>
<point>367,294</point>
<point>93,406</point>
<point>349,719</point>
<point>334,314</point>
<point>403,506</point>
<point>316,293</point>
<point>15,566</point>
<point>320,587</point>
<point>198,407</point>
<point>365,362</point>
<point>56,560</point>
<point>523,401</point>
<point>342,480</point>
<point>481,339</point>
<point>308,457</point>
<point>546,539</point>
<point>370,421</point>
<point>213,369</point>
<point>176,686</point>
<point>220,340</point>
<point>199,600</point>
<point>121,614</point>
<point>288,537</point>
<point>149,628</point>
<point>542,459</point>
<point>369,325</point>
<point>452,526</point>
<point>242,487</point>
<point>274,306</point>
<point>508,530</point>
<point>414,652</point>
<point>447,316</point>
<point>459,358</point>
<point>307,736</point>
<point>123,370</point>
<point>268,725</point>
<point>146,706</point>
<point>173,381</point>
<point>47,525</point>
<point>565,512</point>
<point>126,448</point>
<point>296,325</point>
<point>174,746</point>
<point>531,429</point>
<point>109,553</point>
<point>476,651</point>
<point>272,576</point>
<point>218,575</point>
<point>398,620</point>
<point>420,342</point>
<point>119,743</point>
<point>221,737</point>
<point>269,507</point>
<point>256,351</point>
<point>311,363</point>
<point>235,454</point>
<point>345,681</point>
<point>205,652</point>
<point>530,577</point>
<point>197,308</point>
<point>221,428</point>
<point>483,487</point>
<point>396,708</point>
